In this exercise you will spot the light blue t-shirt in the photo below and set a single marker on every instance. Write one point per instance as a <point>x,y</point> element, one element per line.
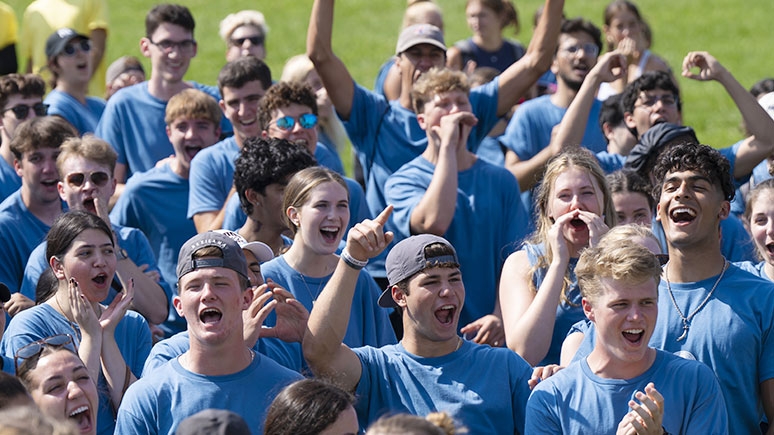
<point>10,182</point>
<point>368,325</point>
<point>132,336</point>
<point>576,401</point>
<point>20,233</point>
<point>157,403</point>
<point>84,117</point>
<point>489,223</point>
<point>133,123</point>
<point>483,387</point>
<point>386,136</point>
<point>212,176</point>
<point>156,202</point>
<point>731,334</point>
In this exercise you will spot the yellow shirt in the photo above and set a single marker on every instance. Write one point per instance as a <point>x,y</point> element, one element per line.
<point>8,27</point>
<point>43,17</point>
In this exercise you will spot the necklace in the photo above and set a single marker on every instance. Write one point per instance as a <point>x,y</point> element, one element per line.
<point>687,320</point>
<point>313,296</point>
<point>73,325</point>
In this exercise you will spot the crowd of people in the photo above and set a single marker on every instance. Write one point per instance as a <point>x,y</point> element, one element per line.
<point>532,241</point>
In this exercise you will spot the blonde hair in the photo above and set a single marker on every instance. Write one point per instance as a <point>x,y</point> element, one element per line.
<point>417,12</point>
<point>752,197</point>
<point>192,103</point>
<point>437,81</point>
<point>246,17</point>
<point>617,256</point>
<point>572,158</point>
<point>89,147</point>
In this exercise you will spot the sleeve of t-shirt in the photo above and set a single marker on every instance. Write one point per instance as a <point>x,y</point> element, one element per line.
<point>204,194</point>
<point>36,265</point>
<point>483,102</point>
<point>99,15</point>
<point>709,412</point>
<point>367,110</point>
<point>109,128</point>
<point>541,416</point>
<point>518,135</point>
<point>404,189</point>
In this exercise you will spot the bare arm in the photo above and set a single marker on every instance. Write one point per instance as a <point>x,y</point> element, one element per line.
<point>519,77</point>
<point>454,58</point>
<point>332,71</point>
<point>529,172</point>
<point>98,39</point>
<point>392,83</point>
<point>150,300</point>
<point>323,348</point>
<point>760,125</point>
<point>116,371</point>
<point>212,220</point>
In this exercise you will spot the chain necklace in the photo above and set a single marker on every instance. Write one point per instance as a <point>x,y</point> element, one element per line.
<point>313,296</point>
<point>687,320</point>
<point>73,325</point>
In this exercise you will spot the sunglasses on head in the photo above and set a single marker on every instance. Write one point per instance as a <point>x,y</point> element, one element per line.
<point>22,111</point>
<point>254,40</point>
<point>34,349</point>
<point>76,179</point>
<point>70,49</point>
<point>307,121</point>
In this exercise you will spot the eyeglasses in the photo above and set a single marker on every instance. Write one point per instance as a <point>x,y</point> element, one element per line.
<point>662,258</point>
<point>254,40</point>
<point>34,349</point>
<point>648,101</point>
<point>166,45</point>
<point>70,49</point>
<point>307,121</point>
<point>22,111</point>
<point>588,48</point>
<point>76,179</point>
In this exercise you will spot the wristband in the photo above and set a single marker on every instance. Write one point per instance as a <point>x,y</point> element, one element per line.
<point>351,261</point>
<point>121,253</point>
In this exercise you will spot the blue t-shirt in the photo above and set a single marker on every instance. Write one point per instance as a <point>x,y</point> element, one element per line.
<point>381,76</point>
<point>368,325</point>
<point>132,336</point>
<point>730,334</point>
<point>157,403</point>
<point>576,401</point>
<point>567,312</point>
<point>10,181</point>
<point>212,176</point>
<point>20,233</point>
<point>485,388</point>
<point>133,123</point>
<point>84,117</point>
<point>156,202</point>
<point>489,223</point>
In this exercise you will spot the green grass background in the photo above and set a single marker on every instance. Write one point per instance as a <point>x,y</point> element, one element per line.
<point>739,33</point>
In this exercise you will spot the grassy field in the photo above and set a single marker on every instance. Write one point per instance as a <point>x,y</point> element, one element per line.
<point>737,32</point>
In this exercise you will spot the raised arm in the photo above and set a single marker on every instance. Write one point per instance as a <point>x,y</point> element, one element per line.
<point>323,349</point>
<point>759,124</point>
<point>519,77</point>
<point>332,71</point>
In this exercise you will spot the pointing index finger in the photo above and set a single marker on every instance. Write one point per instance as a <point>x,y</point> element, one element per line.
<point>384,215</point>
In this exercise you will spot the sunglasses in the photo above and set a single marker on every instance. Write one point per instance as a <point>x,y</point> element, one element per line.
<point>307,121</point>
<point>22,110</point>
<point>254,40</point>
<point>76,179</point>
<point>34,349</point>
<point>70,49</point>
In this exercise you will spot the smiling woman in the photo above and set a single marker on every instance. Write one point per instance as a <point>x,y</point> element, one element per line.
<point>112,343</point>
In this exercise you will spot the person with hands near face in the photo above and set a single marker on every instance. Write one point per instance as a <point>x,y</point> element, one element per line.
<point>112,342</point>
<point>613,389</point>
<point>432,368</point>
<point>538,290</point>
<point>448,191</point>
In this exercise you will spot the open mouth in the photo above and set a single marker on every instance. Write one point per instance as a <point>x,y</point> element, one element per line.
<point>89,205</point>
<point>633,336</point>
<point>191,151</point>
<point>49,183</point>
<point>330,234</point>
<point>770,248</point>
<point>578,224</point>
<point>210,315</point>
<point>81,416</point>
<point>100,279</point>
<point>445,314</point>
<point>682,215</point>
<point>248,122</point>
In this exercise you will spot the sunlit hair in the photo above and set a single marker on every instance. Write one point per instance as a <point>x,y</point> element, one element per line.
<point>300,187</point>
<point>766,186</point>
<point>618,256</point>
<point>505,10</point>
<point>614,8</point>
<point>68,226</point>
<point>307,406</point>
<point>192,104</point>
<point>434,82</point>
<point>623,181</point>
<point>89,147</point>
<point>29,420</point>
<point>702,159</point>
<point>39,133</point>
<point>420,12</point>
<point>242,18</point>
<point>570,159</point>
<point>26,85</point>
<point>436,423</point>
<point>281,95</point>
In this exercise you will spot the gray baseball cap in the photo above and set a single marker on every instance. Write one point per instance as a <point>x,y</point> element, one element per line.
<point>408,258</point>
<point>233,258</point>
<point>420,34</point>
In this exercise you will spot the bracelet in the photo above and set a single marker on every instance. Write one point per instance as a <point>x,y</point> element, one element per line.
<point>352,261</point>
<point>121,253</point>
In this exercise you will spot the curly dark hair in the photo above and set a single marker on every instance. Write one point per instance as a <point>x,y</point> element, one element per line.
<point>699,158</point>
<point>265,161</point>
<point>649,81</point>
<point>283,94</point>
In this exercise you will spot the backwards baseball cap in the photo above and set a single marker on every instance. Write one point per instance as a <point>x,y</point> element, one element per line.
<point>408,258</point>
<point>767,102</point>
<point>420,34</point>
<point>5,294</point>
<point>213,422</point>
<point>655,138</point>
<point>262,251</point>
<point>232,258</point>
<point>59,39</point>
